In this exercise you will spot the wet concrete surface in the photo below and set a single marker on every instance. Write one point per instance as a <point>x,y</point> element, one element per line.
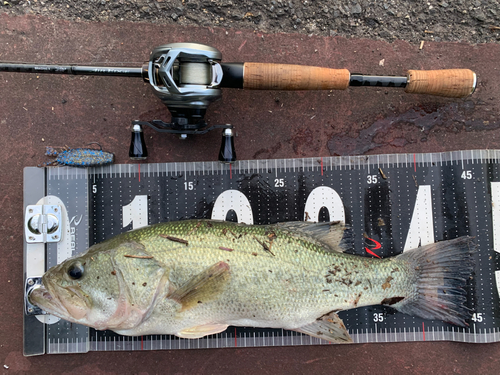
<point>47,110</point>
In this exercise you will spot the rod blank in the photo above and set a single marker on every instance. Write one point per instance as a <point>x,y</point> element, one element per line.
<point>71,69</point>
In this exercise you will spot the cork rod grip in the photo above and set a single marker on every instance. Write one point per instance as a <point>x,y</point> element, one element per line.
<point>262,76</point>
<point>453,83</point>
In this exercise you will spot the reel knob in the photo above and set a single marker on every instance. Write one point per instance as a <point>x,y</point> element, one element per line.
<point>227,154</point>
<point>137,149</point>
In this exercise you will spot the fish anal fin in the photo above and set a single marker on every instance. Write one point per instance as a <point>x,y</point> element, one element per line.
<point>203,287</point>
<point>201,331</point>
<point>329,327</point>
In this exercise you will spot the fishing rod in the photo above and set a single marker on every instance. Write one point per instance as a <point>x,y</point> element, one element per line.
<point>187,77</point>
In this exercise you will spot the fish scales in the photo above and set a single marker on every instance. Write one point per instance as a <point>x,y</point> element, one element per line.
<point>297,265</point>
<point>193,278</point>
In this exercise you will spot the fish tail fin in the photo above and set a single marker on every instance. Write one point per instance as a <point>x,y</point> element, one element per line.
<point>441,271</point>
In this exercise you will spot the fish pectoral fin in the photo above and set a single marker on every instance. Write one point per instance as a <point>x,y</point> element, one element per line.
<point>335,235</point>
<point>199,331</point>
<point>203,287</point>
<point>329,327</point>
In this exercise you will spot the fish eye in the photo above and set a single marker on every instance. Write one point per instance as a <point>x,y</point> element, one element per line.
<point>75,271</point>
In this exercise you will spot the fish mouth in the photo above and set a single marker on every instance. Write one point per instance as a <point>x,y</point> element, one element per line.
<point>65,303</point>
<point>41,297</point>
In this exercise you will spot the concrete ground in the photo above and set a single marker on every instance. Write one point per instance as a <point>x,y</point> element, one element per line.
<point>41,110</point>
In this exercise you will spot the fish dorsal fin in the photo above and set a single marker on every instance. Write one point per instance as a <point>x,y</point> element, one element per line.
<point>203,287</point>
<point>329,327</point>
<point>335,235</point>
<point>201,331</point>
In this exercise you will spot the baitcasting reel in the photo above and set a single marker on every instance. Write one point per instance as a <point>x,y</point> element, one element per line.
<point>187,77</point>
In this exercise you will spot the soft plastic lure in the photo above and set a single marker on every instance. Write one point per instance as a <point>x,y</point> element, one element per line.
<point>80,157</point>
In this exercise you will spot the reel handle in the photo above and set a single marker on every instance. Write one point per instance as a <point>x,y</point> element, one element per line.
<point>452,83</point>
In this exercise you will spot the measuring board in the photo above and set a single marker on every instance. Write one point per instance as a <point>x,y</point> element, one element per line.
<point>391,202</point>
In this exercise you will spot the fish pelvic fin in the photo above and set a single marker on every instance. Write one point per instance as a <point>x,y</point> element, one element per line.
<point>203,287</point>
<point>334,235</point>
<point>329,327</point>
<point>441,271</point>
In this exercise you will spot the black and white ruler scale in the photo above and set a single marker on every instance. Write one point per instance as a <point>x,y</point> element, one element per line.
<point>392,202</point>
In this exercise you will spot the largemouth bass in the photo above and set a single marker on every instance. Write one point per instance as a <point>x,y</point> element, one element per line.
<point>196,277</point>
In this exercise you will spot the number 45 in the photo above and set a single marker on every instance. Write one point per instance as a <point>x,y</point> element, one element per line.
<point>466,175</point>
<point>477,317</point>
